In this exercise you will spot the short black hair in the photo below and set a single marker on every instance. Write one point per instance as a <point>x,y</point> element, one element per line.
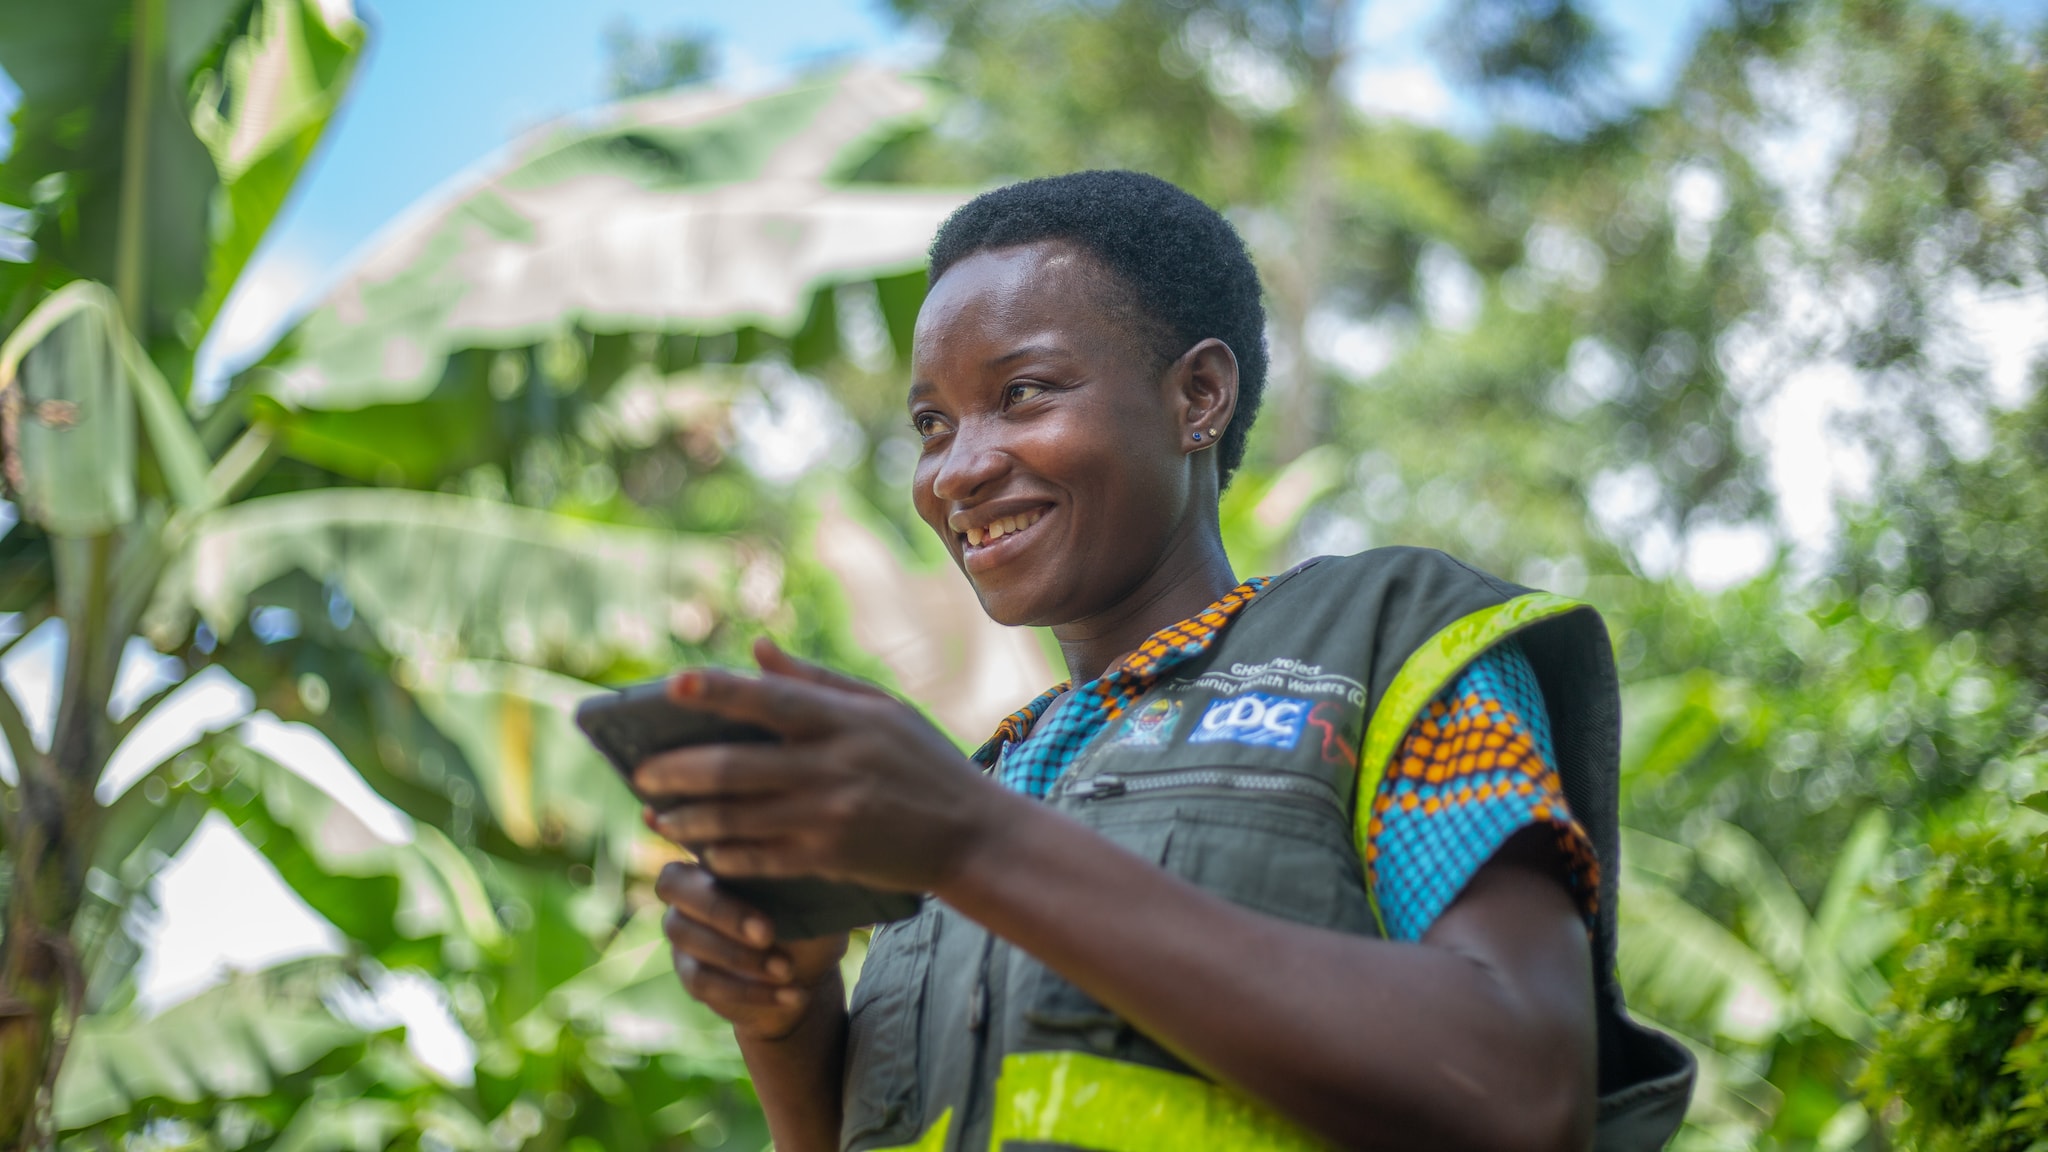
<point>1183,261</point>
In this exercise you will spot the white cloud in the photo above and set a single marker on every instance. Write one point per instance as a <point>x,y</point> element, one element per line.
<point>208,702</point>
<point>1388,22</point>
<point>2004,331</point>
<point>1719,556</point>
<point>1451,290</point>
<point>1360,349</point>
<point>221,907</point>
<point>788,424</point>
<point>307,752</point>
<point>32,670</point>
<point>143,671</point>
<point>1699,198</point>
<point>1812,462</point>
<point>1409,91</point>
<point>273,290</point>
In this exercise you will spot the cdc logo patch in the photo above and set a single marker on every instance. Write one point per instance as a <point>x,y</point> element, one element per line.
<point>1253,718</point>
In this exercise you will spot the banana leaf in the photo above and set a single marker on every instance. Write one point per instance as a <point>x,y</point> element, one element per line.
<point>72,383</point>
<point>234,1041</point>
<point>240,90</point>
<point>688,212</point>
<point>544,782</point>
<point>444,576</point>
<point>1685,968</point>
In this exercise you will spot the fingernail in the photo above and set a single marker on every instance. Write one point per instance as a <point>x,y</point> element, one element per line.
<point>688,684</point>
<point>791,997</point>
<point>760,932</point>
<point>778,968</point>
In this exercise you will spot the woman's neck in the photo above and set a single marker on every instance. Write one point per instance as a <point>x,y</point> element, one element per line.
<point>1188,578</point>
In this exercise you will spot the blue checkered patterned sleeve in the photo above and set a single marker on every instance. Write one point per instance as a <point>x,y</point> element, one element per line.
<point>1476,767</point>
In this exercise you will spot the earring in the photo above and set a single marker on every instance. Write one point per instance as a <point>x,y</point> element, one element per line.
<point>1198,437</point>
<point>1212,433</point>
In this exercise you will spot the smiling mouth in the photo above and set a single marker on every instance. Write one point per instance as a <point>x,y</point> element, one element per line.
<point>998,529</point>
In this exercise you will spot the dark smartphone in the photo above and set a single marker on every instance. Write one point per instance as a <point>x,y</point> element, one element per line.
<point>632,724</point>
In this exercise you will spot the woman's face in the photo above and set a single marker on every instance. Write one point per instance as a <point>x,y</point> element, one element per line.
<point>1053,465</point>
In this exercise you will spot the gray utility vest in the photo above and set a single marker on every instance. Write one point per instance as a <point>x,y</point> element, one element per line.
<point>1245,771</point>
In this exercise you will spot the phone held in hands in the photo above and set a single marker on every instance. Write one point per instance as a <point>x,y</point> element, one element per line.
<point>632,724</point>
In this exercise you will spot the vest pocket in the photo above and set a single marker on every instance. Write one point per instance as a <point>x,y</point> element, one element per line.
<point>880,1099</point>
<point>1280,860</point>
<point>1056,1014</point>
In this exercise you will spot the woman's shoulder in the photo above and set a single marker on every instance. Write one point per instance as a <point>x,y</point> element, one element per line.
<point>1402,572</point>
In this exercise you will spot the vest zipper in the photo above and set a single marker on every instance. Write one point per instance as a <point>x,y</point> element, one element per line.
<point>1109,784</point>
<point>977,1027</point>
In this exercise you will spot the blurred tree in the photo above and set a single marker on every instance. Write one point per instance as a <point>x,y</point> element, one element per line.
<point>641,64</point>
<point>436,628</point>
<point>1965,536</point>
<point>1557,346</point>
<point>153,145</point>
<point>1236,101</point>
<point>1546,49</point>
<point>1965,1066</point>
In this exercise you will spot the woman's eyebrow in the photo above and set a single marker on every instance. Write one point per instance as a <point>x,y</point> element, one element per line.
<point>1026,351</point>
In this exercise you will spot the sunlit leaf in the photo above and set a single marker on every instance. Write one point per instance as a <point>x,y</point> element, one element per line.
<point>544,782</point>
<point>80,382</point>
<point>1773,915</point>
<point>442,576</point>
<point>260,114</point>
<point>236,1040</point>
<point>379,894</point>
<point>683,212</point>
<point>1684,967</point>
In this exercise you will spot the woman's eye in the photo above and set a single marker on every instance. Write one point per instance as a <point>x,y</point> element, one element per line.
<point>1020,392</point>
<point>927,424</point>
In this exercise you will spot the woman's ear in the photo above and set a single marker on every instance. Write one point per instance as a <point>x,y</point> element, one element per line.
<point>1205,377</point>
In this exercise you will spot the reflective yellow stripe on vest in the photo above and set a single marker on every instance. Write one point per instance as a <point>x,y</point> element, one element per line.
<point>934,1138</point>
<point>1428,671</point>
<point>1084,1101</point>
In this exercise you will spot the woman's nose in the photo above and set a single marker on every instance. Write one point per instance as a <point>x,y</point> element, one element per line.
<point>969,463</point>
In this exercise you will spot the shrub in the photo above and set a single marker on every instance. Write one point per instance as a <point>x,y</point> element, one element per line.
<point>1964,1067</point>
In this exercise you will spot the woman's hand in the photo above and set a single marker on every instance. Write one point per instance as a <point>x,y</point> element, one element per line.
<point>726,955</point>
<point>861,788</point>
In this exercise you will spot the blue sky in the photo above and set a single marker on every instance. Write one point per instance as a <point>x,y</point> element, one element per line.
<point>447,82</point>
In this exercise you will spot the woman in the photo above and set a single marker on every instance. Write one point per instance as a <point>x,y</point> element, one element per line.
<point>1324,858</point>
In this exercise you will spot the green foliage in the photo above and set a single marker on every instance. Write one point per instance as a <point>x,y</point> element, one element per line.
<point>238,92</point>
<point>1965,1065</point>
<point>1962,540</point>
<point>640,65</point>
<point>235,1042</point>
<point>1482,336</point>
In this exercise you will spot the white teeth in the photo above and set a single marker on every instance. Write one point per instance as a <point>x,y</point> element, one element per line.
<point>998,529</point>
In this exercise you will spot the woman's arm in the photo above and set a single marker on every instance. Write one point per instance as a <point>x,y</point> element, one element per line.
<point>786,1003</point>
<point>1480,1036</point>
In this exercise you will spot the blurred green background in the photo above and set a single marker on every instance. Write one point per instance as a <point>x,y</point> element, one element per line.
<point>1729,320</point>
